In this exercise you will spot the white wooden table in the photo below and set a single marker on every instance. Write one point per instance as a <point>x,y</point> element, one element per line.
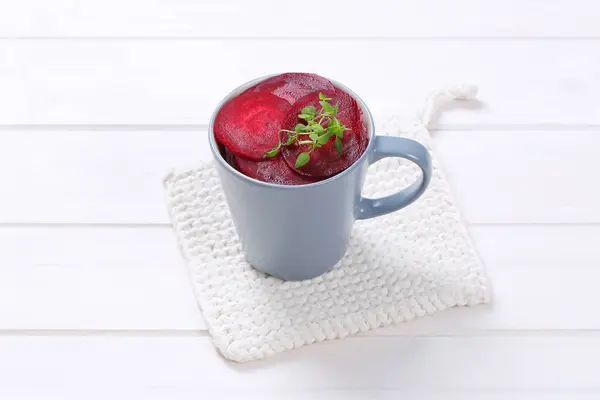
<point>99,99</point>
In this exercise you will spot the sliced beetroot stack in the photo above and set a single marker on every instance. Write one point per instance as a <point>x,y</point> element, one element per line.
<point>248,126</point>
<point>326,161</point>
<point>292,86</point>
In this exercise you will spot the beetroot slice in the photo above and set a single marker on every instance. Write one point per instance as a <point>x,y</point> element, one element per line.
<point>248,125</point>
<point>326,161</point>
<point>273,170</point>
<point>293,85</point>
<point>362,129</point>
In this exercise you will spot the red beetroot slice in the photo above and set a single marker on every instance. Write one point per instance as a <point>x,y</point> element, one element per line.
<point>292,85</point>
<point>248,125</point>
<point>273,170</point>
<point>326,161</point>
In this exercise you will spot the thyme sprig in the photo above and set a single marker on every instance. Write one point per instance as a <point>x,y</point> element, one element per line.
<point>321,125</point>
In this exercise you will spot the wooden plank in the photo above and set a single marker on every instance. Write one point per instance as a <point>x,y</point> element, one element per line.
<point>523,176</point>
<point>98,176</point>
<point>94,278</point>
<point>138,364</point>
<point>181,81</point>
<point>270,18</point>
<point>90,176</point>
<point>130,279</point>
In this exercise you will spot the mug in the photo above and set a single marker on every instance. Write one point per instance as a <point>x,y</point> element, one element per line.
<point>301,232</point>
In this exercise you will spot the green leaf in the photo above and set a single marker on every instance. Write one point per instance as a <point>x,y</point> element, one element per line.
<point>318,128</point>
<point>291,139</point>
<point>313,136</point>
<point>302,159</point>
<point>309,110</point>
<point>336,108</point>
<point>324,138</point>
<point>336,128</point>
<point>300,128</point>
<point>273,152</point>
<point>323,97</point>
<point>338,145</point>
<point>327,107</point>
<point>306,117</point>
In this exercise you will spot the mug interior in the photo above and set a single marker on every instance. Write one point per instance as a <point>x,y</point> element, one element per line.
<point>219,150</point>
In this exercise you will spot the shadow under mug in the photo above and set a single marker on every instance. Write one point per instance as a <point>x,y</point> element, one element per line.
<point>300,232</point>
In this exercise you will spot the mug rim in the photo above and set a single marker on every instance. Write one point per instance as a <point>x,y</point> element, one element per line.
<point>237,91</point>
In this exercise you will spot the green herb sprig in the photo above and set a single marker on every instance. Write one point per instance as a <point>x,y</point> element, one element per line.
<point>313,133</point>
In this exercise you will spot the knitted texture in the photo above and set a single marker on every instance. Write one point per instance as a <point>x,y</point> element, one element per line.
<point>400,266</point>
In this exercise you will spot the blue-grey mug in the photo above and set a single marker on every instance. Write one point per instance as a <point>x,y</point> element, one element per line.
<point>301,232</point>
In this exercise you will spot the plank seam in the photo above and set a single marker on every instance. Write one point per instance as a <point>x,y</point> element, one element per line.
<point>162,225</point>
<point>302,38</point>
<point>197,127</point>
<point>482,332</point>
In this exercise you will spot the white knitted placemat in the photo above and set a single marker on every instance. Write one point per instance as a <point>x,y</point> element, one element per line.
<point>407,264</point>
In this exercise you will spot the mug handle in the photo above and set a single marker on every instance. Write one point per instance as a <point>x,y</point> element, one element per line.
<point>393,146</point>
